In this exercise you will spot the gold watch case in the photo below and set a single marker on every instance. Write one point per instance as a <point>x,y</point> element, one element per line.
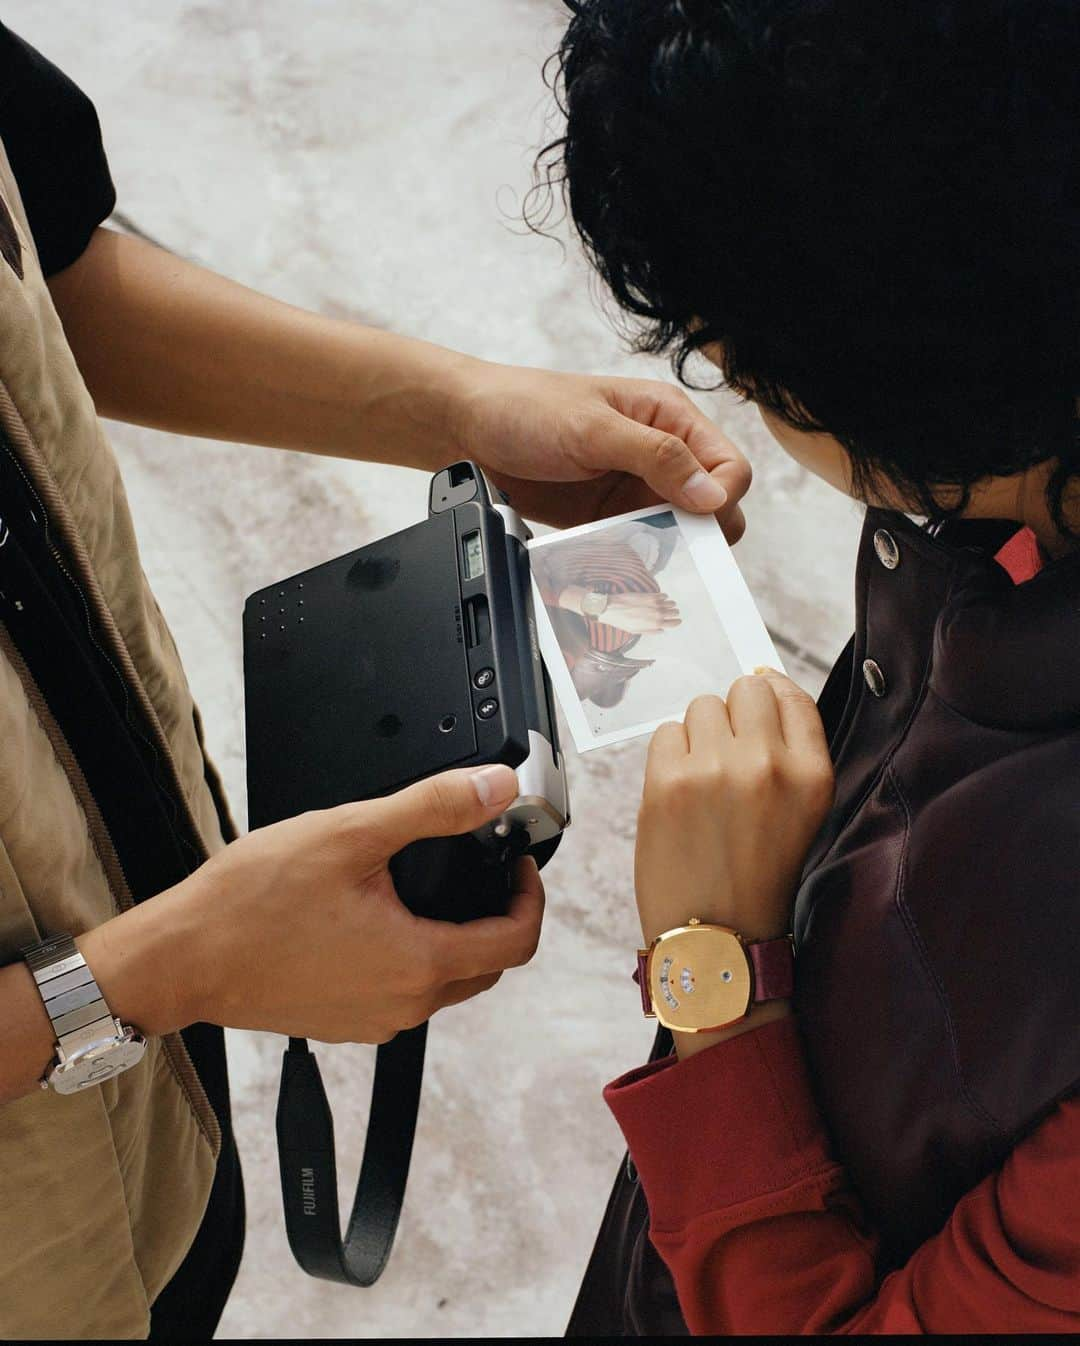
<point>699,978</point>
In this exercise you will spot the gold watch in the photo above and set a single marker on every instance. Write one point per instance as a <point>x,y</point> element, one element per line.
<point>699,978</point>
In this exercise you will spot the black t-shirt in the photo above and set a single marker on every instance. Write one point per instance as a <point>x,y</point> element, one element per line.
<point>53,141</point>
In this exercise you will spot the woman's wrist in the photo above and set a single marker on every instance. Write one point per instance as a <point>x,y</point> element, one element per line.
<point>690,1044</point>
<point>571,597</point>
<point>752,928</point>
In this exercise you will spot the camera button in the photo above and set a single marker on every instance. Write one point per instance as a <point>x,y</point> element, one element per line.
<point>487,708</point>
<point>484,678</point>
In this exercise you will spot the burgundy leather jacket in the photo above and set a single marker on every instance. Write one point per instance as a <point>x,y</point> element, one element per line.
<point>937,926</point>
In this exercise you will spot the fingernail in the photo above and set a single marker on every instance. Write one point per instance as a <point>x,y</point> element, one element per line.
<point>703,491</point>
<point>494,785</point>
<point>764,668</point>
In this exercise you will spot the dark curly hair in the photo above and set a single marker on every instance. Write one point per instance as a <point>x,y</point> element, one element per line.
<point>871,208</point>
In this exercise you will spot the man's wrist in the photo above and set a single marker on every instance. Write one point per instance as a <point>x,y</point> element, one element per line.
<point>417,397</point>
<point>462,390</point>
<point>141,963</point>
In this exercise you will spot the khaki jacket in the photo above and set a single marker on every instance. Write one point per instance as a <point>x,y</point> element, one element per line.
<point>101,1193</point>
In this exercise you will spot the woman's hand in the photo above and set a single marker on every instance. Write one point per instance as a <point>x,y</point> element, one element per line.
<point>733,798</point>
<point>568,448</point>
<point>642,614</point>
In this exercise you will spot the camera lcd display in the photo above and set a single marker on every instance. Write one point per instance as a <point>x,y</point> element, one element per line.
<point>474,555</point>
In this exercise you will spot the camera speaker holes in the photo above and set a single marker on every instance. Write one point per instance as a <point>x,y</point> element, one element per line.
<point>447,724</point>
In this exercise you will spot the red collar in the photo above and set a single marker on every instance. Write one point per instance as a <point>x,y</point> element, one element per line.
<point>1020,556</point>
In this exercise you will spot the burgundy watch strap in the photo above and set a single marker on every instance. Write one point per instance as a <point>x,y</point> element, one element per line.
<point>643,981</point>
<point>773,961</point>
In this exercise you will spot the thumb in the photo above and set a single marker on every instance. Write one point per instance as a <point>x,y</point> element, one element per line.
<point>665,463</point>
<point>441,806</point>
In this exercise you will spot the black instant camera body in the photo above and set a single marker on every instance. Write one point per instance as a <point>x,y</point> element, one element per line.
<point>405,658</point>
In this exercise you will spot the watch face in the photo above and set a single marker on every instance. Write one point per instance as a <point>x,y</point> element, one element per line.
<point>97,1064</point>
<point>699,978</point>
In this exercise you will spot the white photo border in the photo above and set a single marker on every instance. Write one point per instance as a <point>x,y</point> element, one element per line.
<point>723,580</point>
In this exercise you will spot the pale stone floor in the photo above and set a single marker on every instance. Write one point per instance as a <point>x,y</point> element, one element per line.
<point>365,159</point>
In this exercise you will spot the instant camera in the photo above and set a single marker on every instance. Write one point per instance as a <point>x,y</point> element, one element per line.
<point>407,657</point>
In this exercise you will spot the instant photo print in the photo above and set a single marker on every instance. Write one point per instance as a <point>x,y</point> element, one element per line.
<point>638,615</point>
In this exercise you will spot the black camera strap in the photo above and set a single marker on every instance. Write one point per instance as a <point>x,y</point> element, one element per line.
<point>447,878</point>
<point>305,1131</point>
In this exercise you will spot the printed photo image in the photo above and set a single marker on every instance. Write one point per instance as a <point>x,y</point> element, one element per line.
<point>637,616</point>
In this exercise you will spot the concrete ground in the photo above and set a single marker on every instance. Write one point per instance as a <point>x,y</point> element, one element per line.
<point>366,159</point>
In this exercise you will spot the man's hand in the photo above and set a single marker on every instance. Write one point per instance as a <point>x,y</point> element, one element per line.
<point>297,929</point>
<point>568,448</point>
<point>163,342</point>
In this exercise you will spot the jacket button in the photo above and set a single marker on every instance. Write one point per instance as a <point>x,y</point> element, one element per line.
<point>888,553</point>
<point>873,677</point>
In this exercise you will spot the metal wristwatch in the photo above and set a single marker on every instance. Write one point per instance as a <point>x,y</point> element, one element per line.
<point>91,1046</point>
<point>699,978</point>
<point>595,603</point>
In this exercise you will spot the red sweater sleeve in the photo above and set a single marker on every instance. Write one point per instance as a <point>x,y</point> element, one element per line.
<point>762,1232</point>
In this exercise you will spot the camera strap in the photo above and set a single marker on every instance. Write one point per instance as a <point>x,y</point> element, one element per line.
<point>305,1132</point>
<point>448,878</point>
